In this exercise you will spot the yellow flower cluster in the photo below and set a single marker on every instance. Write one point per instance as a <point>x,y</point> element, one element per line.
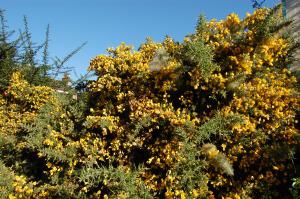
<point>267,104</point>
<point>254,83</point>
<point>151,108</point>
<point>270,51</point>
<point>257,16</point>
<point>20,104</point>
<point>23,188</point>
<point>146,84</point>
<point>19,107</point>
<point>36,97</point>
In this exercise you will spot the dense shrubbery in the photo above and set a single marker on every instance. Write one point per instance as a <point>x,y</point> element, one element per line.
<point>213,116</point>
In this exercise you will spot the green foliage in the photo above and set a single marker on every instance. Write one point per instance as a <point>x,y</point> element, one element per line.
<point>199,56</point>
<point>295,188</point>
<point>120,183</point>
<point>6,180</point>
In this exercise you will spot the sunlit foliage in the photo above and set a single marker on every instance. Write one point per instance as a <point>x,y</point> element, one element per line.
<point>214,116</point>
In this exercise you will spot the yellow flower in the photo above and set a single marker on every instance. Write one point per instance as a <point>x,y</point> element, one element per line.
<point>223,146</point>
<point>182,195</point>
<point>48,142</point>
<point>195,193</point>
<point>11,196</point>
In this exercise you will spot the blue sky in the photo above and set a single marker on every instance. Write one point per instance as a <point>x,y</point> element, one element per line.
<point>107,23</point>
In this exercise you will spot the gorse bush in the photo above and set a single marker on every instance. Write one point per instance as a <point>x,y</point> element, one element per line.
<point>22,54</point>
<point>212,117</point>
